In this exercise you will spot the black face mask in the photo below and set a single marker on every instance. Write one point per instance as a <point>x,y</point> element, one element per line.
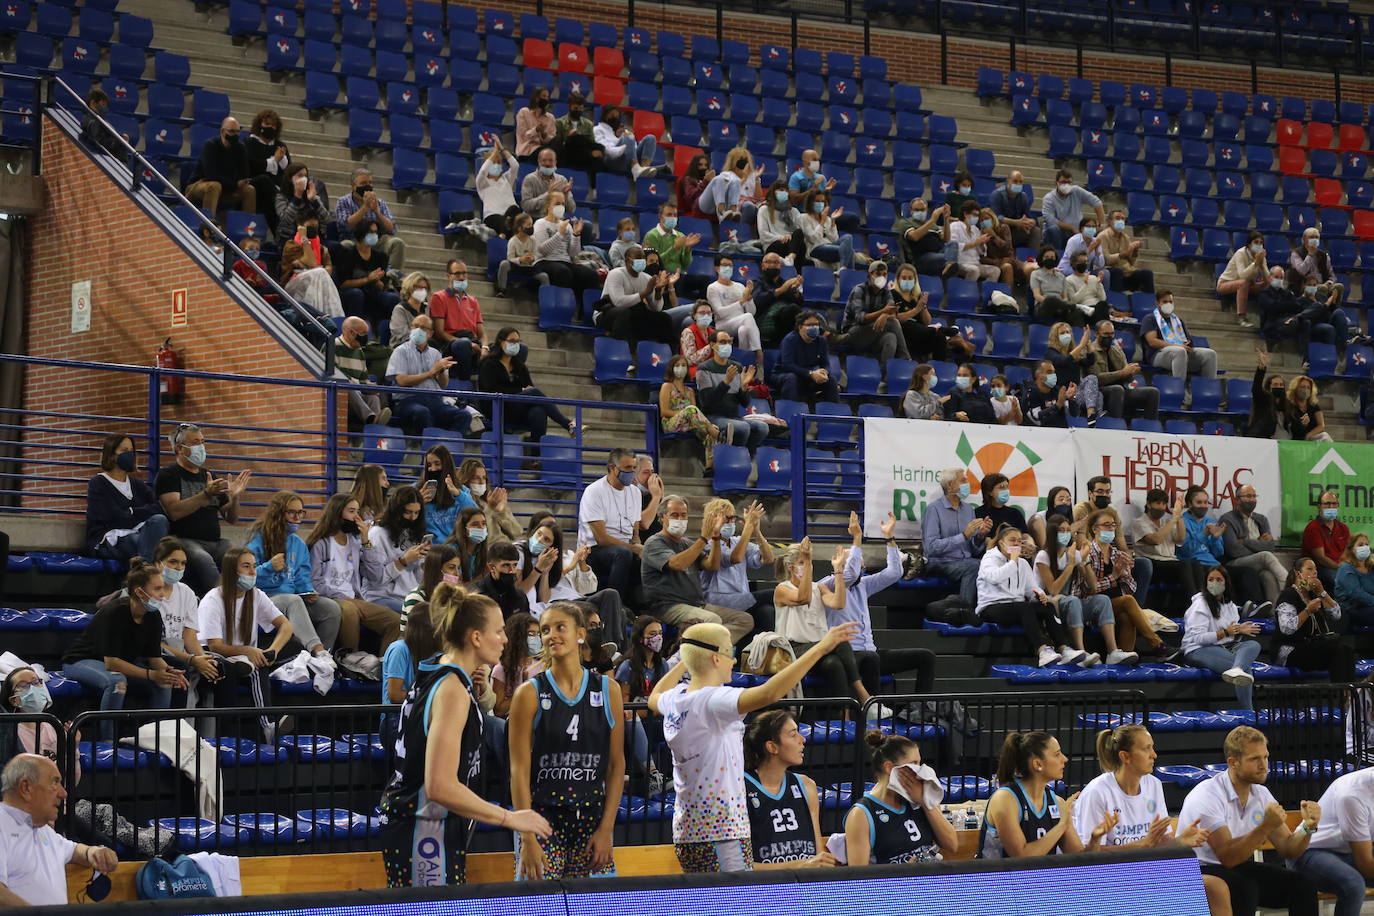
<point>652,269</point>
<point>575,114</point>
<point>1248,505</point>
<point>1080,268</point>
<point>1107,342</point>
<point>231,139</point>
<point>125,462</point>
<point>362,189</point>
<point>1047,263</point>
<point>434,475</point>
<point>1102,502</point>
<point>771,274</point>
<point>541,104</point>
<point>1277,393</point>
<point>504,581</point>
<point>268,133</point>
<point>1066,511</point>
<point>348,526</point>
<point>312,232</point>
<point>613,123</point>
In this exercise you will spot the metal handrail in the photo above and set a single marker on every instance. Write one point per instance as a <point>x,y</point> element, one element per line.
<point>232,253</point>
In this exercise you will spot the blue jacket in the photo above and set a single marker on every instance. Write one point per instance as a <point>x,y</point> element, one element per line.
<point>800,357</point>
<point>439,522</point>
<point>1198,545</point>
<point>295,579</point>
<point>1354,588</point>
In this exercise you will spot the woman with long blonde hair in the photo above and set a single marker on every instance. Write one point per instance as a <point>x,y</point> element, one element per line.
<point>283,574</point>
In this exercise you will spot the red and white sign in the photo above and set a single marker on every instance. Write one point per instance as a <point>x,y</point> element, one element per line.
<point>179,316</point>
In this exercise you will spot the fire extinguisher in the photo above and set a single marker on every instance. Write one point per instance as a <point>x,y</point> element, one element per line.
<point>173,386</point>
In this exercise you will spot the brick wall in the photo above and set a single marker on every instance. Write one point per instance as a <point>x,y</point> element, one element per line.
<point>915,57</point>
<point>92,231</point>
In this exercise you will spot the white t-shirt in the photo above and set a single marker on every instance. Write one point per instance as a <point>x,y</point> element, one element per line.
<point>265,614</point>
<point>1347,812</point>
<point>1103,795</point>
<point>705,731</point>
<point>179,611</point>
<point>962,233</point>
<point>1215,802</point>
<point>33,861</point>
<point>618,509</point>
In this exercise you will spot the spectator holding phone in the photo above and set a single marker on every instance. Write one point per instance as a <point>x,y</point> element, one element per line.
<point>394,548</point>
<point>335,544</point>
<point>284,575</point>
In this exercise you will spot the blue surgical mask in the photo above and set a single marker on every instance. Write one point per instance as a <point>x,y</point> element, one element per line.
<point>172,576</point>
<point>197,456</point>
<point>511,349</point>
<point>965,189</point>
<point>1089,232</point>
<point>628,235</point>
<point>1278,283</point>
<point>703,321</point>
<point>1004,496</point>
<point>371,240</point>
<point>1309,291</point>
<point>818,206</point>
<point>814,331</point>
<point>727,531</point>
<point>1106,536</point>
<point>535,644</point>
<point>780,196</point>
<point>670,223</point>
<point>536,545</point>
<point>1064,538</point>
<point>419,337</point>
<point>246,583</point>
<point>985,224</point>
<point>1362,552</point>
<point>724,350</point>
<point>1257,248</point>
<point>1330,515</point>
<point>34,698</point>
<point>293,527</point>
<point>458,286</point>
<point>1119,225</point>
<point>1065,339</point>
<point>963,490</point>
<point>1052,380</point>
<point>494,169</point>
<point>152,604</point>
<point>906,286</point>
<point>627,478</point>
<point>725,273</point>
<point>997,391</point>
<point>1014,188</point>
<point>547,170</point>
<point>964,382</point>
<point>638,265</point>
<point>477,535</point>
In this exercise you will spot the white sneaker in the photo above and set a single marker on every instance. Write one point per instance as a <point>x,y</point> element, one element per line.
<point>1117,657</point>
<point>1091,661</point>
<point>1047,657</point>
<point>1237,676</point>
<point>1069,656</point>
<point>881,711</point>
<point>790,259</point>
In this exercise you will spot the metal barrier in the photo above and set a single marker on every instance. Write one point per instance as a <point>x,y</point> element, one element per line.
<point>826,487</point>
<point>58,451</point>
<point>37,733</point>
<point>1316,732</point>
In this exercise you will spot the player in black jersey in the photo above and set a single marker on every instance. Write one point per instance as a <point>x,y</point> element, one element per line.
<point>883,827</point>
<point>784,806</point>
<point>429,809</point>
<point>567,755</point>
<point>1024,816</point>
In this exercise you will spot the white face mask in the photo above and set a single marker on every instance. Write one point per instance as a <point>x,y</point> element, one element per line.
<point>677,527</point>
<point>879,282</point>
<point>557,211</point>
<point>478,489</point>
<point>1166,308</point>
<point>419,294</point>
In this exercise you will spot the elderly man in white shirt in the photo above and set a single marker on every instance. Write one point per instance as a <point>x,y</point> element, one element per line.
<point>33,856</point>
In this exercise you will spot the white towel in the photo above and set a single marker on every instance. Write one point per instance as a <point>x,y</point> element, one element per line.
<point>223,871</point>
<point>930,784</point>
<point>835,845</point>
<point>318,669</point>
<point>9,661</point>
<point>178,739</point>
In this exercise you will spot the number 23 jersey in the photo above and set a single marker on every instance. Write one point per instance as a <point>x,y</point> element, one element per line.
<point>780,825</point>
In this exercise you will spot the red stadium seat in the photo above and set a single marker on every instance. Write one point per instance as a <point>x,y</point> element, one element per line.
<point>538,54</point>
<point>1328,192</point>
<point>1288,132</point>
<point>1364,225</point>
<point>1319,135</point>
<point>1292,160</point>
<point>1351,138</point>
<point>608,62</point>
<point>648,122</point>
<point>573,59</point>
<point>607,91</point>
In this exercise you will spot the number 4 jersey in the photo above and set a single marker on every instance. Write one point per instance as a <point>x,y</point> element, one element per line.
<point>570,747</point>
<point>780,825</point>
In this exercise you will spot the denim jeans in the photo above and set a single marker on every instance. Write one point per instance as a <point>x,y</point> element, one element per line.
<point>831,253</point>
<point>1220,659</point>
<point>1335,873</point>
<point>743,432</point>
<point>419,411</point>
<point>963,572</point>
<point>1097,608</point>
<point>140,543</point>
<point>115,688</point>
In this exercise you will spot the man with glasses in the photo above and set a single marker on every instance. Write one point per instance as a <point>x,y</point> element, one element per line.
<point>1100,499</point>
<point>1325,538</point>
<point>194,501</point>
<point>221,173</point>
<point>672,569</point>
<point>457,317</point>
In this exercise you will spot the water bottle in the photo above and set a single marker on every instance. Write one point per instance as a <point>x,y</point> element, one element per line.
<point>948,815</point>
<point>970,819</point>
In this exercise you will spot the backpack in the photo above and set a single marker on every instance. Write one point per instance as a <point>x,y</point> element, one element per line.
<point>159,879</point>
<point>913,562</point>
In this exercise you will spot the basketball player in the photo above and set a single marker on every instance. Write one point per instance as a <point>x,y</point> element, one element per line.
<point>784,806</point>
<point>1024,816</point>
<point>884,828</point>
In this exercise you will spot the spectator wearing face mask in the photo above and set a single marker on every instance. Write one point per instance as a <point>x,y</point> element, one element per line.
<point>924,338</point>
<point>967,402</point>
<point>871,324</point>
<point>535,127</point>
<point>808,178</point>
<point>697,341</point>
<point>351,357</point>
<point>1070,363</point>
<point>414,301</point>
<point>498,582</point>
<point>623,153</point>
<point>1115,375</point>
<point>1157,534</point>
<point>221,173</point>
<point>1062,209</point>
<point>1166,342</point>
<point>733,306</point>
<point>558,241</point>
<point>920,402</point>
<point>923,237</point>
<point>574,139</point>
<point>1005,406</point>
<point>1085,242</point>
<point>1330,324</point>
<point>626,235</point>
<point>457,317</point>
<point>1012,205</point>
<point>1047,397</point>
<point>694,180</point>
<point>268,159</point>
<point>307,272</point>
<point>496,187</point>
<point>1326,537</point>
<point>1267,397</point>
<point>521,255</point>
<point>503,371</point>
<point>123,516</point>
<point>971,244</point>
<point>960,193</point>
<point>675,251</point>
<point>720,199</point>
<point>677,406</point>
<point>824,242</point>
<point>952,537</point>
<point>416,365</point>
<point>1084,291</point>
<point>1121,253</point>
<point>779,230</point>
<point>999,252</point>
<point>1058,503</point>
<point>361,275</point>
<point>253,271</point>
<point>802,370</point>
<point>299,199</point>
<point>1302,412</point>
<point>93,128</point>
<point>1314,264</point>
<point>1050,289</point>
<point>997,505</point>
<point>194,500</point>
<point>1246,274</point>
<point>636,301</point>
<point>777,300</point>
<point>363,206</point>
<point>284,574</point>
<point>723,394</point>
<point>394,549</point>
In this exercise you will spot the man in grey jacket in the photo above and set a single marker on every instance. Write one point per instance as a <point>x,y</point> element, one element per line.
<point>1249,545</point>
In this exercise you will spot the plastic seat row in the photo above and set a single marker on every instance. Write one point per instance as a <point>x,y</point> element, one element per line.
<point>195,833</point>
<point>1186,776</point>
<point>1260,187</point>
<point>1027,674</point>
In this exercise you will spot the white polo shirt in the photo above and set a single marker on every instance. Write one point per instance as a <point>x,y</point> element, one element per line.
<point>617,510</point>
<point>1216,804</point>
<point>33,861</point>
<point>1347,813</point>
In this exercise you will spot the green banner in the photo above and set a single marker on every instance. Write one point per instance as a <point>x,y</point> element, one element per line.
<point>1308,468</point>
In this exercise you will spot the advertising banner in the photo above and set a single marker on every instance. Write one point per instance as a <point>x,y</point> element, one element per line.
<point>1308,468</point>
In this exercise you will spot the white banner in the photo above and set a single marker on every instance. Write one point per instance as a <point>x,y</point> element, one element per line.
<point>902,459</point>
<point>1138,462</point>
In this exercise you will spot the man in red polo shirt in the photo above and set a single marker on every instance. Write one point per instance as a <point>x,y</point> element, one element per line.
<point>457,317</point>
<point>1325,538</point>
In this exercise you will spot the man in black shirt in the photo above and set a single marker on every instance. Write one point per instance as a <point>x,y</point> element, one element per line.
<point>194,500</point>
<point>221,173</point>
<point>503,565</point>
<point>360,271</point>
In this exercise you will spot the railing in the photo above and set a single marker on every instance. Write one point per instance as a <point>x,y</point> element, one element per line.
<point>1316,732</point>
<point>58,95</point>
<point>1019,26</point>
<point>57,452</point>
<point>826,490</point>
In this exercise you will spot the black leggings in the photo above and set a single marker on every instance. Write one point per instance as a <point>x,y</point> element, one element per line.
<point>839,668</point>
<point>1253,885</point>
<point>639,322</point>
<point>1035,618</point>
<point>577,277</point>
<point>795,245</point>
<point>533,417</point>
<point>872,666</point>
<point>1333,656</point>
